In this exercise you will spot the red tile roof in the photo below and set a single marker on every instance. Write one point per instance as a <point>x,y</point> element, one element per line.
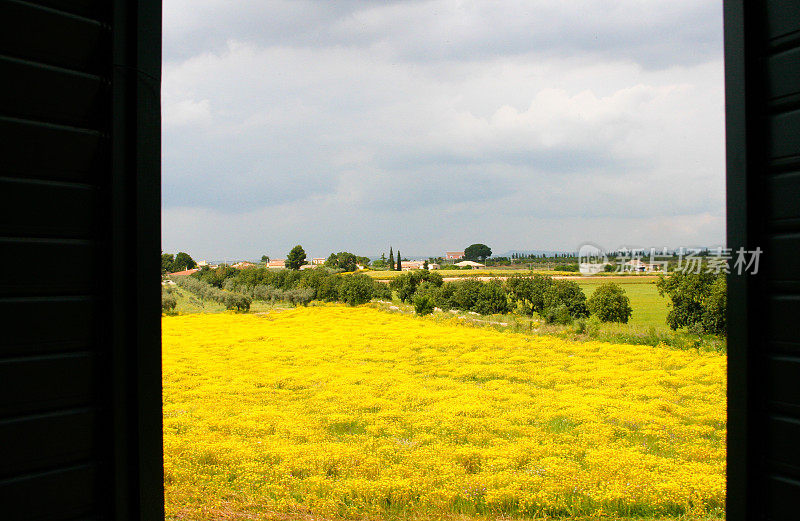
<point>185,272</point>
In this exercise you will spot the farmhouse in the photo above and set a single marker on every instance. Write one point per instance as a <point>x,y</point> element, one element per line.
<point>242,265</point>
<point>453,255</point>
<point>472,264</point>
<point>276,263</point>
<point>418,265</point>
<point>638,265</point>
<point>318,261</point>
<point>591,268</point>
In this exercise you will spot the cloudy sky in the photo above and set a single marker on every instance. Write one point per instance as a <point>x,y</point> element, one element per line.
<point>431,125</point>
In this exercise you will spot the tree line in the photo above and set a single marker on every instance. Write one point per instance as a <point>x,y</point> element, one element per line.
<point>345,261</point>
<point>698,301</point>
<point>555,300</point>
<point>237,289</point>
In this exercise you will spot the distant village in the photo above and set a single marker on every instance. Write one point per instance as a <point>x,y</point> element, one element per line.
<point>453,258</point>
<point>457,260</point>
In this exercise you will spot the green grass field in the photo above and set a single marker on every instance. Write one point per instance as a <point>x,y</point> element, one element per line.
<point>648,323</point>
<point>647,326</point>
<point>649,308</point>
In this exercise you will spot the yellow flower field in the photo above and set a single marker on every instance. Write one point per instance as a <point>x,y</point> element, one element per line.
<point>355,413</point>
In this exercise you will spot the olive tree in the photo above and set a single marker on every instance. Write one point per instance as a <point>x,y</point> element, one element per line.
<point>356,289</point>
<point>609,303</point>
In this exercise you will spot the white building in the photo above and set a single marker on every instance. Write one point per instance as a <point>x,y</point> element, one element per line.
<point>472,264</point>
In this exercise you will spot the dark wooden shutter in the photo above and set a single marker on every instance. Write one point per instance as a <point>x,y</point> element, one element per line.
<point>80,429</point>
<point>80,432</point>
<point>763,127</point>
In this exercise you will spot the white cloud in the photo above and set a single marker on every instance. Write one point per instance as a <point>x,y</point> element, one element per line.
<point>186,112</point>
<point>374,127</point>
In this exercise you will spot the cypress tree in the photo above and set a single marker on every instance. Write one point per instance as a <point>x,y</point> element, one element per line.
<point>391,259</point>
<point>399,264</point>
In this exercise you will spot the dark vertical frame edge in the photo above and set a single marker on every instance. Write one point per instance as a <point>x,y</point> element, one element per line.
<point>744,144</point>
<point>135,242</point>
<point>736,204</point>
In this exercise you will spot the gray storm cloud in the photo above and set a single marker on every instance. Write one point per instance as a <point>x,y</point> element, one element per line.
<point>531,125</point>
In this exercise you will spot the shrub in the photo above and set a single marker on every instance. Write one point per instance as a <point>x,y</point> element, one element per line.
<point>230,299</point>
<point>609,303</point>
<point>314,279</point>
<point>715,308</point>
<point>424,304</point>
<point>527,292</point>
<point>284,279</point>
<point>329,288</point>
<point>299,296</point>
<point>444,298</point>
<point>406,283</point>
<point>261,292</point>
<point>198,287</point>
<point>566,293</point>
<point>216,277</point>
<point>168,303</point>
<point>588,326</point>
<point>426,297</point>
<point>566,267</point>
<point>466,294</point>
<point>558,314</point>
<point>381,291</point>
<point>493,298</point>
<point>230,285</point>
<point>356,289</point>
<point>236,301</point>
<point>698,301</point>
<point>432,277</point>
